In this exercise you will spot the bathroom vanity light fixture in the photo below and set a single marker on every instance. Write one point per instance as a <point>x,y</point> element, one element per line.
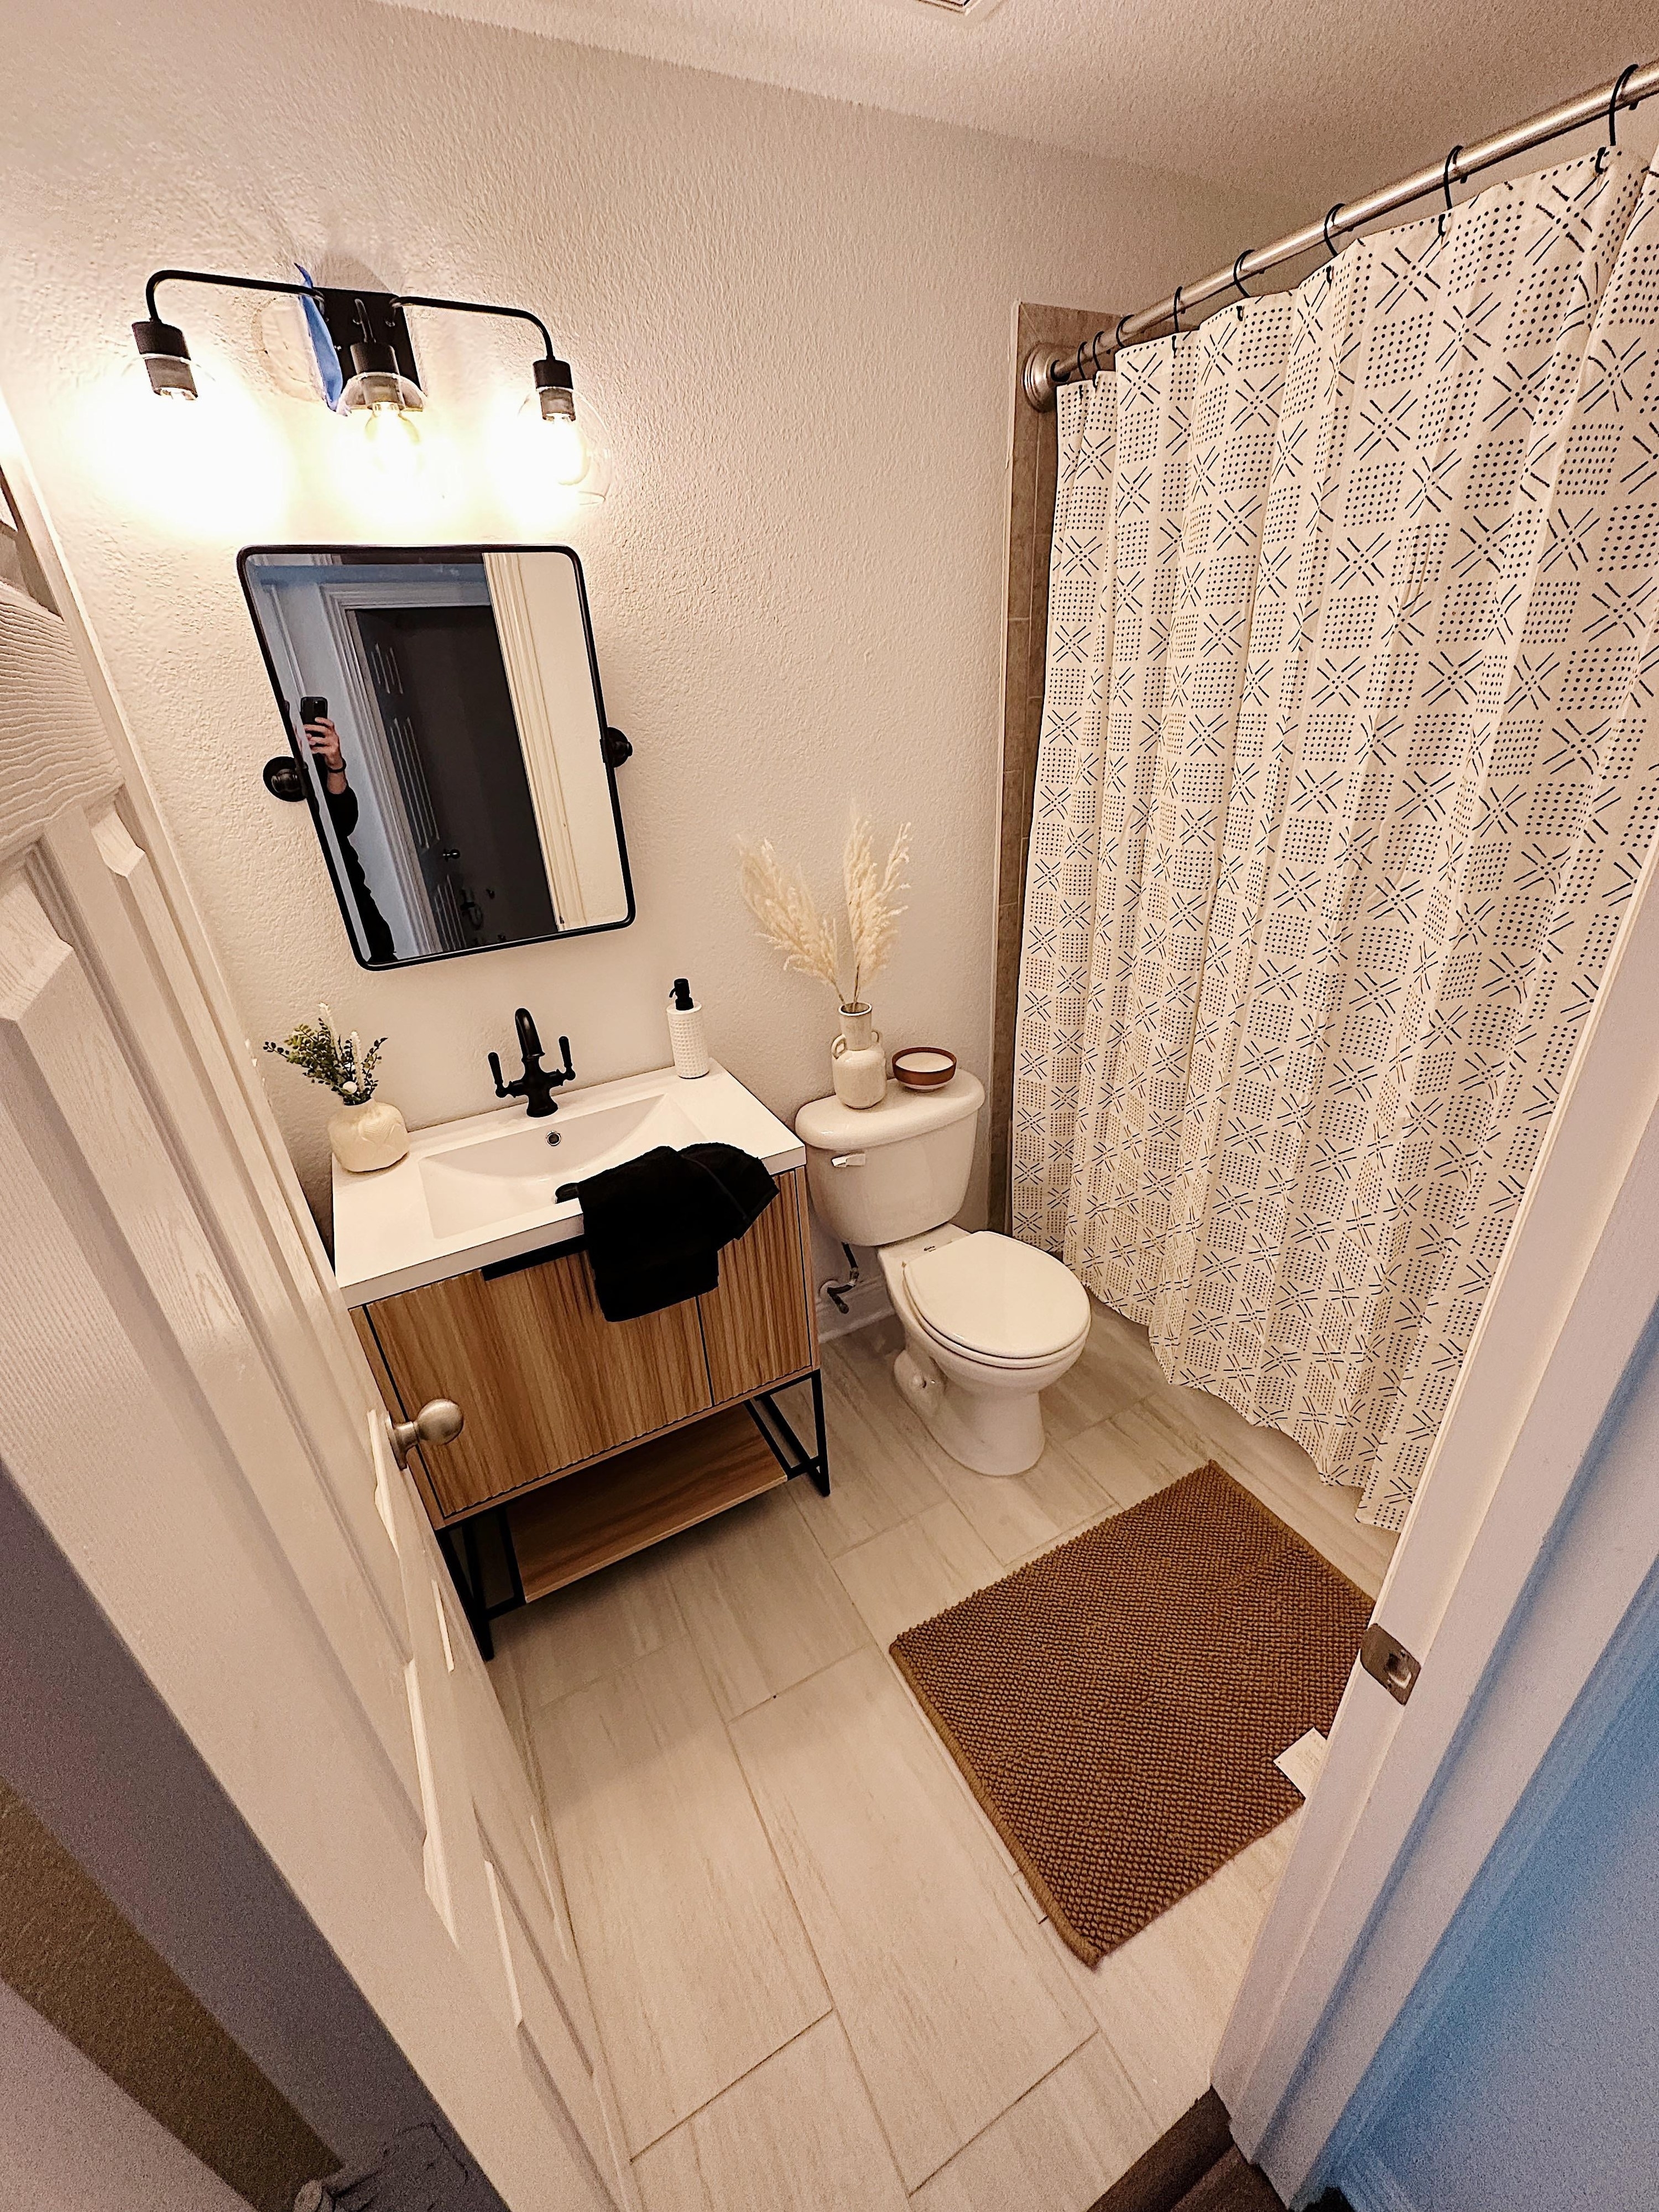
<point>370,334</point>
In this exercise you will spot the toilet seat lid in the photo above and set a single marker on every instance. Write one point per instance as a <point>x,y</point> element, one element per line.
<point>993,1296</point>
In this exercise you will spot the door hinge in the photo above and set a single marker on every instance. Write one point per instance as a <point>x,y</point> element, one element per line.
<point>416,2171</point>
<point>1386,1658</point>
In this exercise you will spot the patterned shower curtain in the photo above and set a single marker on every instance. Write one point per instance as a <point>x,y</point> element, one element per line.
<point>1349,765</point>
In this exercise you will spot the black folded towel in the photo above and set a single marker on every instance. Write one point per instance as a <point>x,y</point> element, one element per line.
<point>655,1225</point>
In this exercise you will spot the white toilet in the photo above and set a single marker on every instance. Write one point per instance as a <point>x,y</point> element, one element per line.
<point>989,1323</point>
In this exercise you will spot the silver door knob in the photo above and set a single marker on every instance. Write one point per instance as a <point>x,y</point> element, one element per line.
<point>439,1421</point>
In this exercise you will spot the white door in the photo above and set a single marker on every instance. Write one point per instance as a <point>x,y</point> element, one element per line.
<point>189,1432</point>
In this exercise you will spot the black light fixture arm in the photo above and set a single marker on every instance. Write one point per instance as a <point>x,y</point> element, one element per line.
<point>230,284</point>
<point>165,343</point>
<point>320,291</point>
<point>482,307</point>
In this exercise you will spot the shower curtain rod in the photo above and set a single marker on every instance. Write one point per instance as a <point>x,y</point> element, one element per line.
<point>1044,369</point>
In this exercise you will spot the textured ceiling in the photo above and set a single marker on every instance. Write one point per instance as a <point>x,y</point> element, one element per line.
<point>1316,99</point>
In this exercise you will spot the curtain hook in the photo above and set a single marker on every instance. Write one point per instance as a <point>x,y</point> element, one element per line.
<point>1117,336</point>
<point>1611,146</point>
<point>1175,323</point>
<point>1446,185</point>
<point>1330,215</point>
<point>1094,350</point>
<point>1238,282</point>
<point>1079,360</point>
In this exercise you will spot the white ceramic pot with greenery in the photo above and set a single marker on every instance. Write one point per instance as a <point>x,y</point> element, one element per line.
<point>811,943</point>
<point>367,1133</point>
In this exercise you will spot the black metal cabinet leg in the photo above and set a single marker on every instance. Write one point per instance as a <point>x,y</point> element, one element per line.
<point>819,1470</point>
<point>504,1530</point>
<point>466,1572</point>
<point>479,1615</point>
<point>786,1448</point>
<point>467,1587</point>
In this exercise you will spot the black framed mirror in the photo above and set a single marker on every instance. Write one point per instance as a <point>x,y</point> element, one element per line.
<point>443,712</point>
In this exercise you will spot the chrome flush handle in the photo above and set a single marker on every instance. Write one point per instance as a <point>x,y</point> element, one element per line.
<point>439,1421</point>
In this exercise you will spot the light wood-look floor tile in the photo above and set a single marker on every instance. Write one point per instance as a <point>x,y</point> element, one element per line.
<point>1139,1451</point>
<point>985,2065</point>
<point>952,1997</point>
<point>798,2135</point>
<point>1060,2148</point>
<point>912,1573</point>
<point>872,1486</point>
<point>1172,1429</point>
<point>1162,1999</point>
<point>1017,1514</point>
<point>577,1635</point>
<point>908,1575</point>
<point>696,1961</point>
<point>1013,1516</point>
<point>1115,1368</point>
<point>762,1602</point>
<point>1264,1862</point>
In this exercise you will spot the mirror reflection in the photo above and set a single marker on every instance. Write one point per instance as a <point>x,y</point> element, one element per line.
<point>444,705</point>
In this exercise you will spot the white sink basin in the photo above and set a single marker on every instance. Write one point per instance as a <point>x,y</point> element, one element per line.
<point>492,1179</point>
<point>472,1192</point>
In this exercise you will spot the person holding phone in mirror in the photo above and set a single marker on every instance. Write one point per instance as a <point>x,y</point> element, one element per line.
<point>342,803</point>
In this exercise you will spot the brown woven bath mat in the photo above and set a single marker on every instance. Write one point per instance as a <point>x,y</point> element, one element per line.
<point>1117,1705</point>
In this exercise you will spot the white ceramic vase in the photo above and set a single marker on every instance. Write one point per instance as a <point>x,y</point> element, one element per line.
<point>857,1066</point>
<point>372,1135</point>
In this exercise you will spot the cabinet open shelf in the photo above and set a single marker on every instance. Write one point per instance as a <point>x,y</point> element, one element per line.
<point>588,1520</point>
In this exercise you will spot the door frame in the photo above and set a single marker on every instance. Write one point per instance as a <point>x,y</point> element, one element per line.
<point>1523,1584</point>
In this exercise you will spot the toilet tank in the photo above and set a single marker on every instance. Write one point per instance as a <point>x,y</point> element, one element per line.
<point>903,1165</point>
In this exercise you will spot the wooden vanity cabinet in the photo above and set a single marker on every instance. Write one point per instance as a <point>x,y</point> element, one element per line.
<point>544,1381</point>
<point>548,1385</point>
<point>758,1326</point>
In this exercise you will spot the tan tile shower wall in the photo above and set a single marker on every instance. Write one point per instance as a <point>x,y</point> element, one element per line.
<point>1032,465</point>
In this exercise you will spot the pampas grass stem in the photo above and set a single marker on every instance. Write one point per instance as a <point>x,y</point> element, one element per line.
<point>809,940</point>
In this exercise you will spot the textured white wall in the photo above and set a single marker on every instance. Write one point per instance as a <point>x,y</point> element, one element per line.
<point>794,313</point>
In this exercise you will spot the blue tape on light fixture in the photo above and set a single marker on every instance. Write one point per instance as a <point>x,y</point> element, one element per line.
<point>322,345</point>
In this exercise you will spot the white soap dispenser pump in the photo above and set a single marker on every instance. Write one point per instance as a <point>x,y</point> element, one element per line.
<point>685,1031</point>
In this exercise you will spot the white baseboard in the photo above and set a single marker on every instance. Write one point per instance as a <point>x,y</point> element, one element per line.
<point>868,1303</point>
<point>1370,2186</point>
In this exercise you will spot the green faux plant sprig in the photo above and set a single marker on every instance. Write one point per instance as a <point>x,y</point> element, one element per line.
<point>338,1063</point>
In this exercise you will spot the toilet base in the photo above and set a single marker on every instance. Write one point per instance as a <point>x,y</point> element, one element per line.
<point>994,1432</point>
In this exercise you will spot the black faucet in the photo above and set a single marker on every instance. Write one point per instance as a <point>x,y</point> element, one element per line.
<point>536,1084</point>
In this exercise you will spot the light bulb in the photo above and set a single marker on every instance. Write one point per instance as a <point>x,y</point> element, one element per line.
<point>547,467</point>
<point>388,437</point>
<point>566,449</point>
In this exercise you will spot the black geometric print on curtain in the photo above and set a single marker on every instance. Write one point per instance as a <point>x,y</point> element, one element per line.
<point>1371,813</point>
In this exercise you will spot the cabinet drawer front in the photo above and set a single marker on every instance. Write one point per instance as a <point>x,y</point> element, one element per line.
<point>758,1326</point>
<point>544,1379</point>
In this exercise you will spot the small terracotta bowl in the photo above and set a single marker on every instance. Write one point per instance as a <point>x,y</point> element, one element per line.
<point>923,1067</point>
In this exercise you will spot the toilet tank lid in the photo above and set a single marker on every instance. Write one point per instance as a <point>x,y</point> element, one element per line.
<point>827,1126</point>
